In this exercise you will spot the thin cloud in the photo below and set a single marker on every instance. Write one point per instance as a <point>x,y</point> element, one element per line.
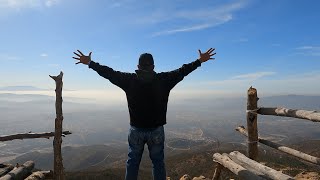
<point>25,4</point>
<point>44,55</point>
<point>308,50</point>
<point>184,29</point>
<point>50,3</point>
<point>53,65</point>
<point>251,76</point>
<point>7,57</point>
<point>198,19</point>
<point>301,83</point>
<point>242,40</point>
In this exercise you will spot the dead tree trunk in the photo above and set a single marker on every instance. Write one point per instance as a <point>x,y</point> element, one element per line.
<point>58,171</point>
<point>19,172</point>
<point>268,172</point>
<point>39,175</point>
<point>30,136</point>
<point>252,124</point>
<point>5,169</point>
<point>243,173</point>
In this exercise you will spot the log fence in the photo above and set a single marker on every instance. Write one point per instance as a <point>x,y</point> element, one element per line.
<point>24,171</point>
<point>248,168</point>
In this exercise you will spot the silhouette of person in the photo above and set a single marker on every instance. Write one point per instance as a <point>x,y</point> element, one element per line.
<point>147,95</point>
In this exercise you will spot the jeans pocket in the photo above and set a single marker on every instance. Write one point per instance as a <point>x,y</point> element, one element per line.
<point>157,137</point>
<point>134,138</point>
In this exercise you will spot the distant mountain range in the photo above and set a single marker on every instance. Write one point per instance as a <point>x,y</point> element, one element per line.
<point>21,88</point>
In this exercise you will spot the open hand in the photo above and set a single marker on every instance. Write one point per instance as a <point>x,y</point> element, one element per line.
<point>83,58</point>
<point>207,55</point>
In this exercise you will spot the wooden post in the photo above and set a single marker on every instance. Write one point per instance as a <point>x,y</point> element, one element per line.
<point>217,172</point>
<point>252,124</point>
<point>58,171</point>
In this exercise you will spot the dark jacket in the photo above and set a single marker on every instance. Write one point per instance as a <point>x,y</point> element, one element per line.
<point>147,92</point>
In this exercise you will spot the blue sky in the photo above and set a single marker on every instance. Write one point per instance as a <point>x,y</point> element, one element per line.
<point>272,45</point>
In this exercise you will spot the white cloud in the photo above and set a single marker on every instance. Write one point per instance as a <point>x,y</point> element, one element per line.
<point>187,20</point>
<point>183,29</point>
<point>308,50</point>
<point>25,4</point>
<point>253,76</point>
<point>7,57</point>
<point>50,3</point>
<point>53,65</point>
<point>44,55</point>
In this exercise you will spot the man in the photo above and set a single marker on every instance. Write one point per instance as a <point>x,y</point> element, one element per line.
<point>147,96</point>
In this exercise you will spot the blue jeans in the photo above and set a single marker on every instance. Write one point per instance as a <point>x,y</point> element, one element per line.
<point>137,138</point>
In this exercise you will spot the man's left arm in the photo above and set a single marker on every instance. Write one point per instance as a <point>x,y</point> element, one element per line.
<point>177,75</point>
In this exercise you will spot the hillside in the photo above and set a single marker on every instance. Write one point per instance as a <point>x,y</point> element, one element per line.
<point>199,162</point>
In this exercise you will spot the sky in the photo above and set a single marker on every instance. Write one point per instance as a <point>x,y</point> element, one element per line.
<point>271,45</point>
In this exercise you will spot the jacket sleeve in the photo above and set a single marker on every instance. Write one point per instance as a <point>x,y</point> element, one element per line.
<point>175,76</point>
<point>117,78</point>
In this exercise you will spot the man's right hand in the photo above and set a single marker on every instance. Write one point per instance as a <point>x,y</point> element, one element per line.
<point>203,57</point>
<point>82,58</point>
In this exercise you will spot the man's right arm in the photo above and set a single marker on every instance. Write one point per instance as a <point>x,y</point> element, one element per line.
<point>117,78</point>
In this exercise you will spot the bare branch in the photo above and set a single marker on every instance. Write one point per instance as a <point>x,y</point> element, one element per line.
<point>30,136</point>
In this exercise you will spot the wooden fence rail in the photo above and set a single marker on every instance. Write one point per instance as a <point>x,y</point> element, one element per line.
<point>31,136</point>
<point>283,148</point>
<point>21,171</point>
<point>242,166</point>
<point>279,111</point>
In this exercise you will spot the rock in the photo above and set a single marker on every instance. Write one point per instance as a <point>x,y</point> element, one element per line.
<point>185,177</point>
<point>200,178</point>
<point>308,175</point>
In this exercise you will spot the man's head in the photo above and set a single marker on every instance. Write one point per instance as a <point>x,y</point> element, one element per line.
<point>146,62</point>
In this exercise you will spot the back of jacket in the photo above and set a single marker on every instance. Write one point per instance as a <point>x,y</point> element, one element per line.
<point>147,91</point>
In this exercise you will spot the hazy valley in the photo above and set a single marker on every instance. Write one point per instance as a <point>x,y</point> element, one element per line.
<point>196,129</point>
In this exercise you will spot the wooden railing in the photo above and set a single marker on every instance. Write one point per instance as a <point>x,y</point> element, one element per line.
<point>248,168</point>
<point>21,171</point>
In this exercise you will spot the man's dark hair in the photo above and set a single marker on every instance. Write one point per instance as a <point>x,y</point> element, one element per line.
<point>146,61</point>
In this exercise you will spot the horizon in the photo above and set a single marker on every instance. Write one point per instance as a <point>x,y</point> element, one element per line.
<point>272,46</point>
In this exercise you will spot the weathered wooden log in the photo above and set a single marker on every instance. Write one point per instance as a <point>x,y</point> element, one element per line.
<point>39,175</point>
<point>267,171</point>
<point>217,172</point>
<point>5,169</point>
<point>243,173</point>
<point>301,114</point>
<point>252,124</point>
<point>19,172</point>
<point>299,154</point>
<point>31,136</point>
<point>58,171</point>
